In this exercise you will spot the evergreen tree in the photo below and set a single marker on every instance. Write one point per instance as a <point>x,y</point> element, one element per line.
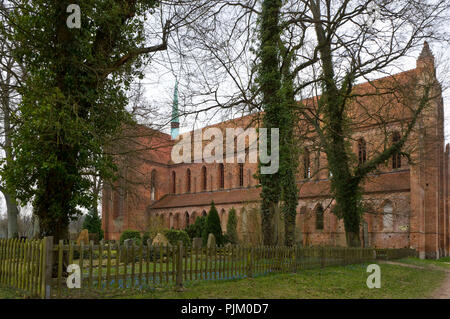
<point>212,226</point>
<point>93,224</point>
<point>196,229</point>
<point>232,226</point>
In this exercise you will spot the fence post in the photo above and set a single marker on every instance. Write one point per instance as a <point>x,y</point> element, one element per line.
<point>322,257</point>
<point>250,262</point>
<point>47,267</point>
<point>179,279</point>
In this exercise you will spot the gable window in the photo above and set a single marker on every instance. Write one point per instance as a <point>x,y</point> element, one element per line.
<point>319,217</point>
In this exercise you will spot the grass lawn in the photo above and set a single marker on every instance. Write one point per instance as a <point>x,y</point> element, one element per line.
<point>427,263</point>
<point>328,283</point>
<point>7,293</point>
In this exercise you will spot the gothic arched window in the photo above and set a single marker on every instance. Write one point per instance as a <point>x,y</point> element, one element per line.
<point>388,217</point>
<point>174,182</point>
<point>221,176</point>
<point>186,216</point>
<point>306,164</point>
<point>319,217</point>
<point>153,185</point>
<point>362,151</point>
<point>188,180</point>
<point>241,174</point>
<point>204,178</point>
<point>397,157</point>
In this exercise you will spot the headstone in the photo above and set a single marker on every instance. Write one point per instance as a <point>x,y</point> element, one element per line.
<point>197,243</point>
<point>128,242</point>
<point>211,241</point>
<point>160,239</point>
<point>83,237</point>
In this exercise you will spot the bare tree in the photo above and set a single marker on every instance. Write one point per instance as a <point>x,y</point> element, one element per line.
<point>11,77</point>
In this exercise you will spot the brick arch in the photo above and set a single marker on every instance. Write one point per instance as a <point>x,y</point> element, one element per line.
<point>193,217</point>
<point>187,219</point>
<point>223,219</point>
<point>204,213</point>
<point>204,178</point>
<point>176,222</point>
<point>387,215</point>
<point>170,220</point>
<point>319,214</point>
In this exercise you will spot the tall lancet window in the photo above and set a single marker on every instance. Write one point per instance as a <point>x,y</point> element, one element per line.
<point>221,176</point>
<point>188,180</point>
<point>153,185</point>
<point>397,157</point>
<point>204,178</point>
<point>362,151</point>
<point>306,164</point>
<point>174,182</point>
<point>175,121</point>
<point>241,174</point>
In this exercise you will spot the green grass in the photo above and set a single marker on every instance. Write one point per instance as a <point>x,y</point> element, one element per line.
<point>427,263</point>
<point>8,293</point>
<point>348,282</point>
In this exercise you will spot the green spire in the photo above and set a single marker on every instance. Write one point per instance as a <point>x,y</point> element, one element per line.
<point>175,115</point>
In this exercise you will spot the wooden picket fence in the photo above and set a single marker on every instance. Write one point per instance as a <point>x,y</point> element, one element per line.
<point>23,264</point>
<point>29,265</point>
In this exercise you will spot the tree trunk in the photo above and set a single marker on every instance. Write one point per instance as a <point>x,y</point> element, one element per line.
<point>270,83</point>
<point>13,215</point>
<point>268,210</point>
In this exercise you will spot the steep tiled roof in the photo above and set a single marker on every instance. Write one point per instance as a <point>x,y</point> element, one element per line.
<point>385,182</point>
<point>204,198</point>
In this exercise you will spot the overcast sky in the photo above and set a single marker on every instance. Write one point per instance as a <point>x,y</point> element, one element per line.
<point>159,83</point>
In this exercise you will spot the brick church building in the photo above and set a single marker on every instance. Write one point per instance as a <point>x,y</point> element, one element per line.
<point>405,200</point>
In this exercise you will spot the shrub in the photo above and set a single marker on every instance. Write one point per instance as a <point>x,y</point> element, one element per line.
<point>173,236</point>
<point>146,237</point>
<point>232,227</point>
<point>196,229</point>
<point>212,226</point>
<point>93,223</point>
<point>130,234</point>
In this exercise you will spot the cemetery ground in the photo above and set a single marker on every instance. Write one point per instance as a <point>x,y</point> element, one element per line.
<point>405,278</point>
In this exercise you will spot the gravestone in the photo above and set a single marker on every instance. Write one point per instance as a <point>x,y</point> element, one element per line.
<point>211,241</point>
<point>197,243</point>
<point>160,239</point>
<point>83,237</point>
<point>127,244</point>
